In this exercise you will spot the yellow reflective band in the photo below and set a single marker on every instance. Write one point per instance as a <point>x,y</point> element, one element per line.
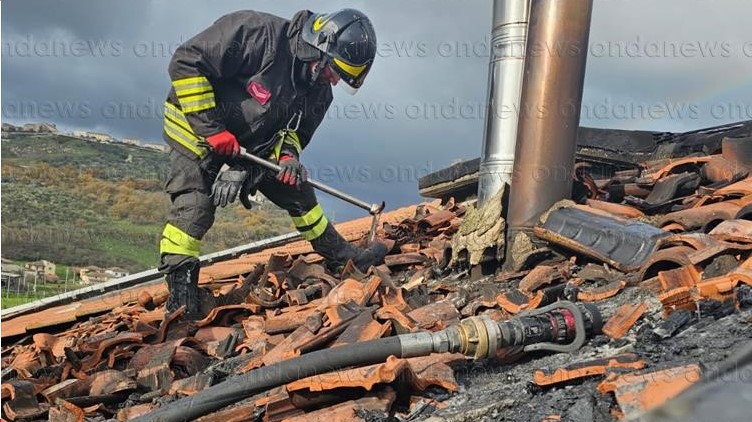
<point>289,138</point>
<point>318,23</point>
<point>293,139</point>
<point>184,132</point>
<point>196,98</point>
<point>177,116</point>
<point>195,80</point>
<point>177,128</point>
<point>350,69</point>
<point>178,242</point>
<point>178,136</point>
<point>308,218</point>
<point>190,91</point>
<point>195,103</point>
<point>316,230</point>
<point>198,106</point>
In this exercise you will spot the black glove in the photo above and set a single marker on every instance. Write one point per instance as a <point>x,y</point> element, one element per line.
<point>229,184</point>
<point>291,172</point>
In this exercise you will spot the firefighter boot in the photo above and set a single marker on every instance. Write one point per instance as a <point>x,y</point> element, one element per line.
<point>337,251</point>
<point>182,283</point>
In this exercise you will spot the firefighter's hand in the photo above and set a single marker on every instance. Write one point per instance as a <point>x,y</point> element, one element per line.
<point>291,171</point>
<point>227,186</point>
<point>224,143</point>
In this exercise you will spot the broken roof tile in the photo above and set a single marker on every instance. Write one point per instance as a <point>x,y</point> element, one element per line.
<point>135,411</point>
<point>420,372</point>
<point>600,293</point>
<point>671,257</point>
<point>740,188</point>
<point>435,316</point>
<point>26,364</point>
<point>350,410</point>
<point>365,377</point>
<point>435,221</point>
<point>677,166</point>
<point>53,344</point>
<point>69,388</point>
<point>639,393</point>
<point>410,248</point>
<point>362,328</point>
<point>401,322</point>
<point>624,318</point>
<point>217,312</point>
<point>288,348</point>
<point>545,377</point>
<point>191,385</point>
<point>616,209</point>
<point>703,218</point>
<point>720,247</point>
<point>669,188</point>
<point>21,402</point>
<point>394,297</point>
<point>435,370</point>
<point>540,276</point>
<point>516,301</point>
<point>404,259</point>
<point>733,231</point>
<point>686,276</point>
<point>678,298</point>
<point>720,288</point>
<point>156,374</point>
<point>66,412</point>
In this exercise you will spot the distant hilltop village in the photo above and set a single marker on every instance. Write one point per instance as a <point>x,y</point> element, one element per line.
<point>103,138</point>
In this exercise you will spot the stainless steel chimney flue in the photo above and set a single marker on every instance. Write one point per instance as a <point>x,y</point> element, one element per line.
<point>509,33</point>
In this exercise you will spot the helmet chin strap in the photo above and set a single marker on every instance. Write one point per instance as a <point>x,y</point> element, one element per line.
<point>316,70</point>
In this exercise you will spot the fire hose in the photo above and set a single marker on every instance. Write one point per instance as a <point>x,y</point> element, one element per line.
<point>559,327</point>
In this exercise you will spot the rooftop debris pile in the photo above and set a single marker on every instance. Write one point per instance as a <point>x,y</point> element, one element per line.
<point>664,251</point>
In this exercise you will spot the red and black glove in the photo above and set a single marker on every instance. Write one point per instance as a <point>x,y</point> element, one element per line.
<point>224,143</point>
<point>291,171</point>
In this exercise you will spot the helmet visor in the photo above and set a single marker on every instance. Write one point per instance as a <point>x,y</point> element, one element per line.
<point>352,75</point>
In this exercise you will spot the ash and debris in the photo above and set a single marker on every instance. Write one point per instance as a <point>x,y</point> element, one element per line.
<point>495,391</point>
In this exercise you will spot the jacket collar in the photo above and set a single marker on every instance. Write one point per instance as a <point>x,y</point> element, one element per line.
<point>301,51</point>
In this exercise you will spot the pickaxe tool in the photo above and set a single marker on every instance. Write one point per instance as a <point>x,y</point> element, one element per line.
<point>373,209</point>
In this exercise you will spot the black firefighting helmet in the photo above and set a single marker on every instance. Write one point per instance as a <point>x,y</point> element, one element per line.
<point>347,40</point>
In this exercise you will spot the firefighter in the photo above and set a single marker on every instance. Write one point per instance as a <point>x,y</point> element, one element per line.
<point>262,82</point>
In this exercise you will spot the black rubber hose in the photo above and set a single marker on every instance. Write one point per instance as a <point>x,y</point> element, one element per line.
<point>267,377</point>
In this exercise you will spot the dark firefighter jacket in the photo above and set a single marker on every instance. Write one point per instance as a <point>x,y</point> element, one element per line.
<point>242,74</point>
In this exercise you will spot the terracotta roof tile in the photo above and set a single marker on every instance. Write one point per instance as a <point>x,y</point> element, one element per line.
<point>546,377</point>
<point>637,394</point>
<point>624,318</point>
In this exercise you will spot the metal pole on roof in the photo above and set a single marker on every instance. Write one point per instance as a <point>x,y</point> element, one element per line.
<point>509,39</point>
<point>552,90</point>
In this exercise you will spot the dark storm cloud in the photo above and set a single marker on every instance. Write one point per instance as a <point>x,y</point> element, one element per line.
<point>83,19</point>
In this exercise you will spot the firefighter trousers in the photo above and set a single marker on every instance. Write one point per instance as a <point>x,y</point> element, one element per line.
<point>189,185</point>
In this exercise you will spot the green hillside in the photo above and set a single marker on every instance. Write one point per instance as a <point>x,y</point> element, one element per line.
<point>76,202</point>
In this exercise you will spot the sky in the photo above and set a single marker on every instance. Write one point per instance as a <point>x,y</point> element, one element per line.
<point>670,65</point>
